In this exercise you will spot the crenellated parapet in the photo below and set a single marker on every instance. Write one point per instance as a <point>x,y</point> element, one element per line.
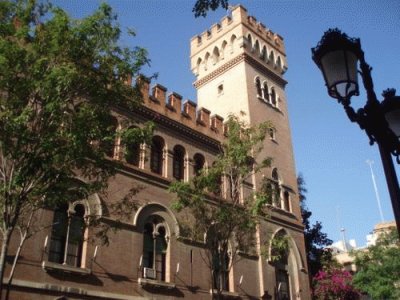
<point>236,34</point>
<point>238,15</point>
<point>171,105</point>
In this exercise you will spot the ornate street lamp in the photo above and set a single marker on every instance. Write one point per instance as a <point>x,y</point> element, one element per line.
<point>337,56</point>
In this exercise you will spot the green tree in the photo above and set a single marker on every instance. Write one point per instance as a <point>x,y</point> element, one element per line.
<point>59,79</point>
<point>316,241</point>
<point>379,268</point>
<point>201,7</point>
<point>228,222</point>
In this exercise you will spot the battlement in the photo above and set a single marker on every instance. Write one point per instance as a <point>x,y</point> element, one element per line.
<point>236,34</point>
<point>238,15</point>
<point>187,113</point>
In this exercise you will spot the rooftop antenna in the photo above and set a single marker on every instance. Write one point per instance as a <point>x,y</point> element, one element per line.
<point>378,199</point>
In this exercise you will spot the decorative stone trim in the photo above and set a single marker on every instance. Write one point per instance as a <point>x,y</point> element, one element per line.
<point>51,288</point>
<point>225,67</point>
<point>226,294</point>
<point>51,266</point>
<point>265,71</point>
<point>238,59</point>
<point>156,284</point>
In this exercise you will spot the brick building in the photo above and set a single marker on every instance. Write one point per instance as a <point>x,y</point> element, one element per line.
<point>239,66</point>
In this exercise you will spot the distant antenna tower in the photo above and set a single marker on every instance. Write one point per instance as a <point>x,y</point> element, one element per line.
<point>378,199</point>
<point>343,231</point>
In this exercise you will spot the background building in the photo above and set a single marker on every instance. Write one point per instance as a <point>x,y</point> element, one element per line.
<point>239,65</point>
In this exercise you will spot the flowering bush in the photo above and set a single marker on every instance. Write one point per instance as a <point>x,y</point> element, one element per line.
<point>334,284</point>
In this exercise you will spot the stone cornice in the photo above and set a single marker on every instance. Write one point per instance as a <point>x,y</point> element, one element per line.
<point>265,71</point>
<point>158,118</point>
<point>235,61</point>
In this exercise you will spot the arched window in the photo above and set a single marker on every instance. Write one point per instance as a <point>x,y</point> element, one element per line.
<point>221,271</point>
<point>273,97</point>
<point>275,175</point>
<point>286,201</point>
<point>280,250</point>
<point>272,134</point>
<point>199,162</point>
<point>109,142</point>
<point>250,42</point>
<point>198,65</point>
<point>67,236</point>
<point>156,155</point>
<point>265,92</point>
<point>279,62</point>
<point>233,41</point>
<point>215,55</point>
<point>257,48</point>
<point>220,261</point>
<point>179,162</point>
<point>218,181</point>
<point>258,87</point>
<point>272,58</point>
<point>263,54</point>
<point>267,189</point>
<point>132,152</point>
<point>276,188</point>
<point>154,249</point>
<point>206,58</point>
<point>223,49</point>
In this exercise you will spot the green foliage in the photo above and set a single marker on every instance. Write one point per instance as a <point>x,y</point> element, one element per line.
<point>59,79</point>
<point>379,268</point>
<point>202,7</point>
<point>315,240</point>
<point>228,222</point>
<point>279,246</point>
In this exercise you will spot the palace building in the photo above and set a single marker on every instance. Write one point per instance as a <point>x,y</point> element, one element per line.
<point>239,66</point>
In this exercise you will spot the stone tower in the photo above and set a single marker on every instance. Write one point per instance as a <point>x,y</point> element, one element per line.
<point>239,66</point>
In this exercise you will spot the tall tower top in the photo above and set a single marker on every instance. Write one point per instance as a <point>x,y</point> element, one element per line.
<point>235,35</point>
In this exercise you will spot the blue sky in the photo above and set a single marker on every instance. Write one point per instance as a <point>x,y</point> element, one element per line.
<point>330,151</point>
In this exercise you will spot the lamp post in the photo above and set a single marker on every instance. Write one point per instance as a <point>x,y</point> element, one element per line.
<point>337,56</point>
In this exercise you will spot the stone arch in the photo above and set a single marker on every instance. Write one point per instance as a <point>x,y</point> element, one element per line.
<point>223,49</point>
<point>198,65</point>
<point>295,262</point>
<point>257,83</point>
<point>154,208</point>
<point>157,149</point>
<point>233,42</point>
<point>199,163</point>
<point>206,58</point>
<point>257,48</point>
<point>292,246</point>
<point>178,162</point>
<point>92,202</point>
<point>274,97</point>
<point>215,55</point>
<point>275,175</point>
<point>263,53</point>
<point>92,205</point>
<point>132,150</point>
<point>279,62</point>
<point>272,57</point>
<point>157,224</point>
<point>110,145</point>
<point>265,89</point>
<point>250,42</point>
